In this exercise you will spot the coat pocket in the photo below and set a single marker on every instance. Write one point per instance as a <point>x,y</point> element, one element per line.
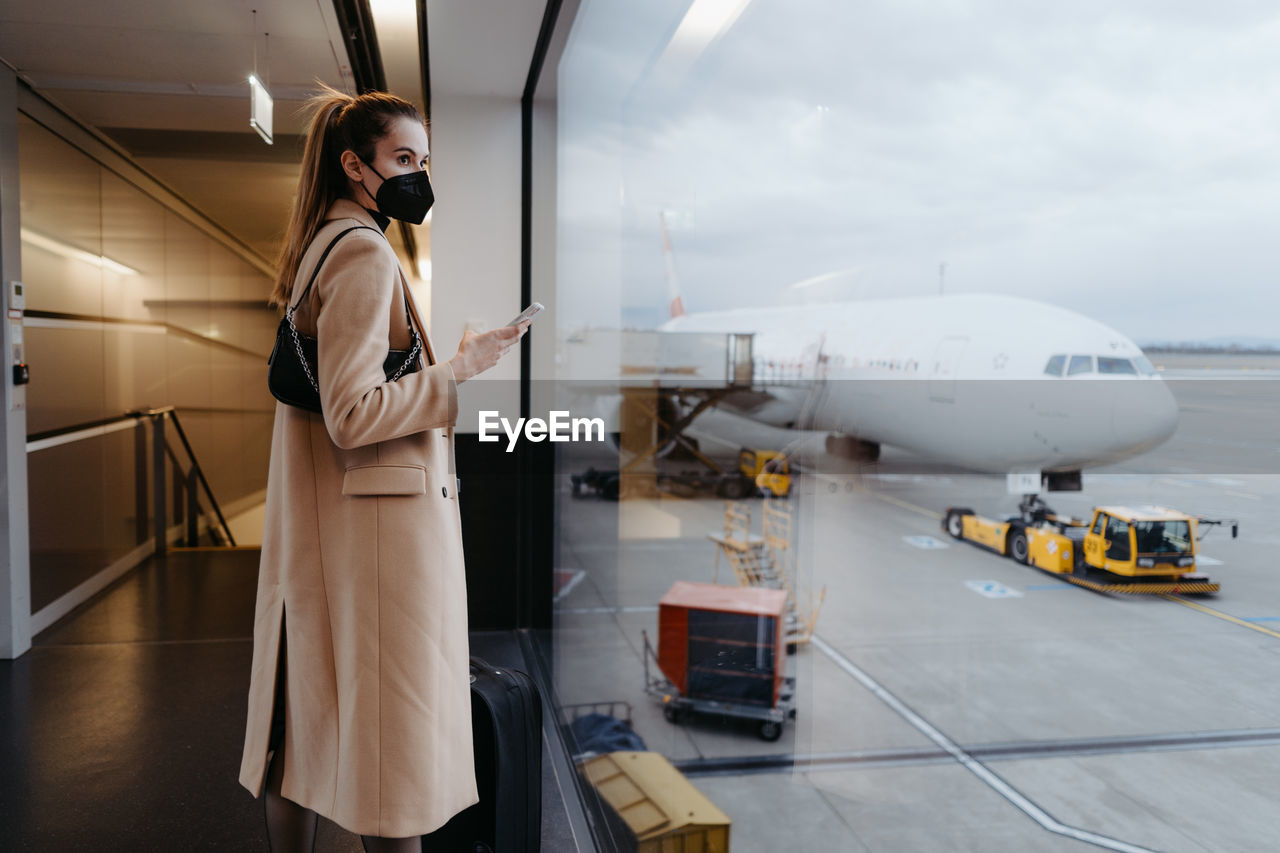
<point>385,480</point>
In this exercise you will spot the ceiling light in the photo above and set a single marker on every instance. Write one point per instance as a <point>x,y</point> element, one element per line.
<point>260,108</point>
<point>395,13</point>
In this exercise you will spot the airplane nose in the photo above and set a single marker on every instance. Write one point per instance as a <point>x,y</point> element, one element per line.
<point>1144,414</point>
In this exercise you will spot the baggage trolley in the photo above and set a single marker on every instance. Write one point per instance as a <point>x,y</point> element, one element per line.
<point>676,707</point>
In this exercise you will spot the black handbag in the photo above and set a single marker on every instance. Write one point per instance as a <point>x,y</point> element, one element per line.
<point>291,367</point>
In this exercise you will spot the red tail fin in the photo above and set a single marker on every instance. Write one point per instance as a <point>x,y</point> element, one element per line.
<point>675,305</point>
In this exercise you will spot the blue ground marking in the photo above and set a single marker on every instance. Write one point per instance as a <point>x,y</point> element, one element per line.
<point>927,543</point>
<point>1040,586</point>
<point>1264,619</point>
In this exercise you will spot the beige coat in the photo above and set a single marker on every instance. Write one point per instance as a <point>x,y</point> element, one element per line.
<point>362,565</point>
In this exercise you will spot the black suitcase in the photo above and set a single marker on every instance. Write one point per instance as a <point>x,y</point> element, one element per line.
<point>506,722</point>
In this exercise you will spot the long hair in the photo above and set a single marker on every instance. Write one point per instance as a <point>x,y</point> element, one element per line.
<point>339,121</point>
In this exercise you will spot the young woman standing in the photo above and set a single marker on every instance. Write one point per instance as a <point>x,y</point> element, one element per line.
<point>359,698</point>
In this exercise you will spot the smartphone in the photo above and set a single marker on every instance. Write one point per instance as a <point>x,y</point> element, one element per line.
<point>527,314</point>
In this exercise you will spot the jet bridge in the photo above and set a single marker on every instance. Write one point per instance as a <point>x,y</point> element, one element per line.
<point>665,381</point>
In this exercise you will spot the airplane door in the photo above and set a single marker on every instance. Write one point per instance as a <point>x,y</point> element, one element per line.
<point>946,362</point>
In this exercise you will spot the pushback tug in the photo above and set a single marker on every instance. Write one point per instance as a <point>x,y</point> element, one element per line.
<point>1142,550</point>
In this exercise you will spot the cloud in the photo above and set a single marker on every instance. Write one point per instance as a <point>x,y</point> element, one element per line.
<point>1119,162</point>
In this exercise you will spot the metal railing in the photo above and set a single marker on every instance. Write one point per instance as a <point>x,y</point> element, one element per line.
<point>184,483</point>
<point>188,481</point>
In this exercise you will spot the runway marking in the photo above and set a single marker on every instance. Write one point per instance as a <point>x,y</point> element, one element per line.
<point>1264,619</point>
<point>1242,494</point>
<point>905,505</point>
<point>977,768</point>
<point>937,516</point>
<point>1207,561</point>
<point>1219,614</point>
<point>992,589</point>
<point>814,762</point>
<point>925,543</point>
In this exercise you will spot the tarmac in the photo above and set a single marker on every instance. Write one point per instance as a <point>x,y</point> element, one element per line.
<point>953,699</point>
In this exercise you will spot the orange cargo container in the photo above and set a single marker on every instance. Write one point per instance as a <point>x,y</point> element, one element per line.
<point>723,643</point>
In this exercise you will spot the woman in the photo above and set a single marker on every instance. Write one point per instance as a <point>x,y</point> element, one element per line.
<point>359,702</point>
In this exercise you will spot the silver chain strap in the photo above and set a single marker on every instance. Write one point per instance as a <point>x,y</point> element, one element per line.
<point>413,354</point>
<point>297,345</point>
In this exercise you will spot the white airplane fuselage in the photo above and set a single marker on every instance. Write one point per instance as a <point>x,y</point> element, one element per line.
<point>959,378</point>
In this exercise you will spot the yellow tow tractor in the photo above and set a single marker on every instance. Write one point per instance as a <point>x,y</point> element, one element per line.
<point>768,469</point>
<point>1133,550</point>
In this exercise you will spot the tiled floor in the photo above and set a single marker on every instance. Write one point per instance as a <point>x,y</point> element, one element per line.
<point>121,728</point>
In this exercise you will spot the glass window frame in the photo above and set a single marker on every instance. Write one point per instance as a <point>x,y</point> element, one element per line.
<point>1071,362</point>
<point>1116,360</point>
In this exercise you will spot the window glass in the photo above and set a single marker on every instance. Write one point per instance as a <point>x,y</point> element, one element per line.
<point>1099,523</point>
<point>1118,537</point>
<point>1109,365</point>
<point>864,186</point>
<point>1080,364</point>
<point>1163,537</point>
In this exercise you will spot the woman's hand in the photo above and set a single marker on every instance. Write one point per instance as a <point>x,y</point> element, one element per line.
<point>480,351</point>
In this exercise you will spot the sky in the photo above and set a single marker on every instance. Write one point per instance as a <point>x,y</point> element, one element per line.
<point>1120,159</point>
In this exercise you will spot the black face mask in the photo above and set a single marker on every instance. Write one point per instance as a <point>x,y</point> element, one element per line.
<point>406,197</point>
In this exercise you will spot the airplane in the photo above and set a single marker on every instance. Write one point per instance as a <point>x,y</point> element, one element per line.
<point>987,382</point>
<point>991,383</point>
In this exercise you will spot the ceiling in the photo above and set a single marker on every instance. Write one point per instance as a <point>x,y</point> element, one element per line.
<point>167,80</point>
<point>482,48</point>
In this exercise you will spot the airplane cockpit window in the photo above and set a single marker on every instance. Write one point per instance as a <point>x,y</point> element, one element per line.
<point>1054,367</point>
<point>1080,364</point>
<point>1115,366</point>
<point>1144,365</point>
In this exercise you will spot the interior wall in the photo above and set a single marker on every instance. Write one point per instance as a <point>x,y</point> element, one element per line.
<point>475,246</point>
<point>174,319</point>
<point>475,257</point>
<point>15,576</point>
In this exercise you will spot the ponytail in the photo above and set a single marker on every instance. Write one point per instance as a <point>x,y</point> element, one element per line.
<point>339,122</point>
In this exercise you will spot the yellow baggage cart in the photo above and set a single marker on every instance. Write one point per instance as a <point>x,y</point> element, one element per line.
<point>662,808</point>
